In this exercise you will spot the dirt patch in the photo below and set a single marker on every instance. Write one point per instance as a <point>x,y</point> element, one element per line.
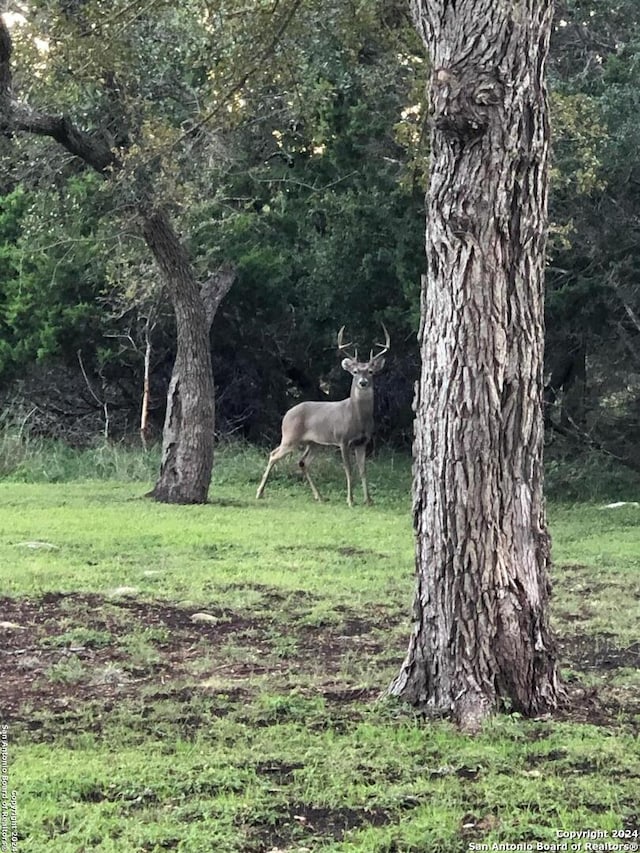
<point>72,655</point>
<point>607,704</point>
<point>344,551</point>
<point>51,659</point>
<point>63,652</point>
<point>302,823</point>
<point>597,653</point>
<point>359,552</point>
<point>599,707</point>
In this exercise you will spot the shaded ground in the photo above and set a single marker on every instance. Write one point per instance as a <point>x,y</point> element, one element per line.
<point>60,651</point>
<point>67,661</point>
<point>596,657</point>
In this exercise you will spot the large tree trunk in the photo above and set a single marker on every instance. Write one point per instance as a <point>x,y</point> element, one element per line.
<point>481,637</point>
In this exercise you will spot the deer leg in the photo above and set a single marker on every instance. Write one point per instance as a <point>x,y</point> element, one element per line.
<point>278,453</point>
<point>361,460</point>
<point>346,461</point>
<point>305,459</point>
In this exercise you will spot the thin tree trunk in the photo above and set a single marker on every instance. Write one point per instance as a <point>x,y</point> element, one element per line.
<point>188,434</point>
<point>146,385</point>
<point>481,636</point>
<point>573,409</point>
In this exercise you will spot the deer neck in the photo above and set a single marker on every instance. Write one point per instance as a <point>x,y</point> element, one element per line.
<point>362,407</point>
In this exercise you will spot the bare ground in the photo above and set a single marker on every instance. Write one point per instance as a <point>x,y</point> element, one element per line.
<point>60,651</point>
<point>41,635</point>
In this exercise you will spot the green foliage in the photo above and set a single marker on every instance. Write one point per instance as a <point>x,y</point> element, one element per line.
<point>83,637</point>
<point>53,275</point>
<point>588,476</point>
<point>70,670</point>
<point>592,293</point>
<point>292,139</point>
<point>326,228</point>
<point>290,144</point>
<point>31,459</point>
<point>580,137</point>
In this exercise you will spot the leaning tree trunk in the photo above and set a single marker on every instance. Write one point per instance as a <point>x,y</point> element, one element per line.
<point>188,433</point>
<point>481,637</point>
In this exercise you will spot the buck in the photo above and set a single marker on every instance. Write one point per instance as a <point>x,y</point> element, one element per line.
<point>345,424</point>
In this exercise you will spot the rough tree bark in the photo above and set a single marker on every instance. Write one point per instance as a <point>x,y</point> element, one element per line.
<point>188,436</point>
<point>188,433</point>
<point>481,637</point>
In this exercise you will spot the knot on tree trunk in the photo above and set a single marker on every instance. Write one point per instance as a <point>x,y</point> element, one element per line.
<point>461,104</point>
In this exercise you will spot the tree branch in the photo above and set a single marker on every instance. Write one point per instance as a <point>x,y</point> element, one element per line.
<point>215,288</point>
<point>95,149</point>
<point>631,314</point>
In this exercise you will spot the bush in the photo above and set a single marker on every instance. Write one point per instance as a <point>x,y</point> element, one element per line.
<point>589,476</point>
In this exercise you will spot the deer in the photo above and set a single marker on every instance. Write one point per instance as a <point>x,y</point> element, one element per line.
<point>347,424</point>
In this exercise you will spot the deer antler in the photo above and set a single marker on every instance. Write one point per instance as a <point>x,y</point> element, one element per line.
<point>385,346</point>
<point>343,347</point>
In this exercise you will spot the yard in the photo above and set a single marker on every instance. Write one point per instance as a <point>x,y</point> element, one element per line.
<point>211,678</point>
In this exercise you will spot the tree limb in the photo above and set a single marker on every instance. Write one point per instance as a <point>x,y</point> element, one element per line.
<point>93,148</point>
<point>215,288</point>
<point>581,437</point>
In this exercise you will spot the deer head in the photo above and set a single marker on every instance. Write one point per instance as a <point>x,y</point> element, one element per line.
<point>363,371</point>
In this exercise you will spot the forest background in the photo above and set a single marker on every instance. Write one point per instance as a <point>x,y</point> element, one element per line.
<point>291,141</point>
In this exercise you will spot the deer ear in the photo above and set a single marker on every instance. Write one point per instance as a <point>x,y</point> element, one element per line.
<point>377,365</point>
<point>347,364</point>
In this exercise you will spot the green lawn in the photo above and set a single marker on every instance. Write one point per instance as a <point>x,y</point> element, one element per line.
<point>258,725</point>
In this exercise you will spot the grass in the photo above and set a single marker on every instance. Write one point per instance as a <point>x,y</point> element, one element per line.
<point>209,678</point>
